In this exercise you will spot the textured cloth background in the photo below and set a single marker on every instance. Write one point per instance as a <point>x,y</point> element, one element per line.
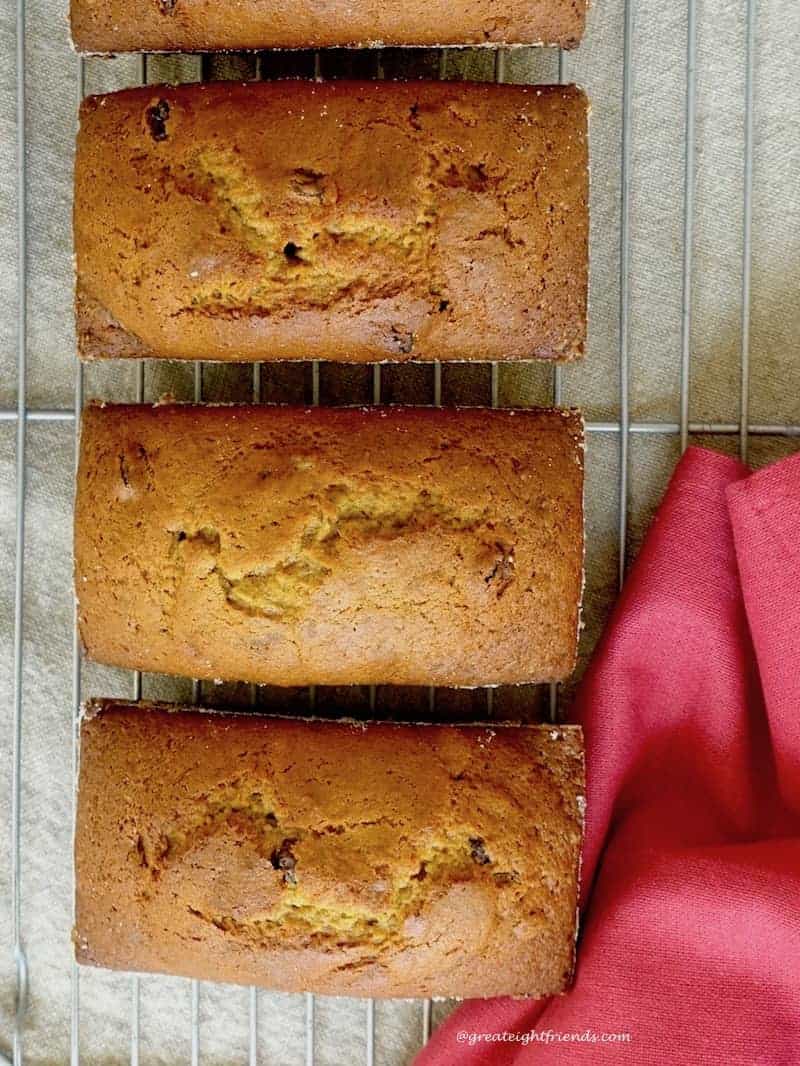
<point>656,252</point>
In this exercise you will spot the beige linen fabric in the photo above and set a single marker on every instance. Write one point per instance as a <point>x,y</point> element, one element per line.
<point>655,290</point>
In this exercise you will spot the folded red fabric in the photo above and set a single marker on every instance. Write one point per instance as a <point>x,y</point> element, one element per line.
<point>690,943</point>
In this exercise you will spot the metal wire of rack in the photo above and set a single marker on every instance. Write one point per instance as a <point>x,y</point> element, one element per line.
<point>623,428</point>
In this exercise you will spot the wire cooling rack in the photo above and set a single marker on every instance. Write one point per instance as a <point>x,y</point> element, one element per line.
<point>623,429</point>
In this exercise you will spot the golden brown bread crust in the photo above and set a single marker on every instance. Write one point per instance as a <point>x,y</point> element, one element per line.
<point>380,860</point>
<point>294,546</point>
<point>347,221</point>
<point>209,25</point>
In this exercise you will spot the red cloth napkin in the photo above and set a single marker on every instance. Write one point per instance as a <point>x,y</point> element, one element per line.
<point>690,937</point>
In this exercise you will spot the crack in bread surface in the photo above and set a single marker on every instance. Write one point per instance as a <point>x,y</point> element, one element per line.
<point>324,253</point>
<point>241,812</point>
<point>319,257</point>
<point>344,514</point>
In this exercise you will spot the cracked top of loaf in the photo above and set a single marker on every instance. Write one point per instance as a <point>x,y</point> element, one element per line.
<point>293,546</point>
<point>197,25</point>
<point>382,860</point>
<point>347,221</point>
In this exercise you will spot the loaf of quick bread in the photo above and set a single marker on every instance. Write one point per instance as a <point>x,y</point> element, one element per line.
<point>199,26</point>
<point>332,857</point>
<point>344,221</point>
<point>294,546</point>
